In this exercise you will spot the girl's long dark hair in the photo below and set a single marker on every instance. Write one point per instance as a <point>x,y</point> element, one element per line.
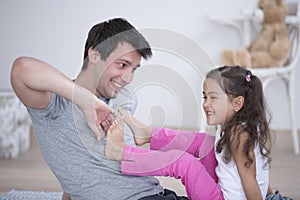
<point>252,117</point>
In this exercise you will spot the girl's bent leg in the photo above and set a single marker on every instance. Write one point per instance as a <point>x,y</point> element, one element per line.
<point>210,162</point>
<point>200,145</point>
<point>195,143</point>
<point>178,164</point>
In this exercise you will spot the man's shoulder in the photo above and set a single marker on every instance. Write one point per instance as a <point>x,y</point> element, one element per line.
<point>55,108</point>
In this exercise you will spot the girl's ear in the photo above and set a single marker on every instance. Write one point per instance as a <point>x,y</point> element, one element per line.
<point>93,55</point>
<point>238,103</point>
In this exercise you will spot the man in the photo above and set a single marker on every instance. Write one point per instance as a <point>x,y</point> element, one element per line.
<point>67,114</point>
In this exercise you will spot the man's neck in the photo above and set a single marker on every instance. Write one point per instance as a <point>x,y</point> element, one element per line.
<point>84,79</point>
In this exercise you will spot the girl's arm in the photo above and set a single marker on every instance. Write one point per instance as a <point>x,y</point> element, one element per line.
<point>247,173</point>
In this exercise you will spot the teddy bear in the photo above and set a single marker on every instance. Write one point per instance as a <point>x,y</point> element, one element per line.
<point>271,46</point>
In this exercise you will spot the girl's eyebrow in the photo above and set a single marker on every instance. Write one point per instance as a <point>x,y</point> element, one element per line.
<point>210,92</point>
<point>213,92</point>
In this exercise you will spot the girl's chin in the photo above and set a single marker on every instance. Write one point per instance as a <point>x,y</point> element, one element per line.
<point>211,123</point>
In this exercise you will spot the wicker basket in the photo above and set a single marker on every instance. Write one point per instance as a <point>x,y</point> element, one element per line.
<point>15,126</point>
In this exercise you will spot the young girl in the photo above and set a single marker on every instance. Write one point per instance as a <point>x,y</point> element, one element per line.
<point>234,102</point>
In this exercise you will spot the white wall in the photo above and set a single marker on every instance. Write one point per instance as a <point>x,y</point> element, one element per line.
<point>55,31</point>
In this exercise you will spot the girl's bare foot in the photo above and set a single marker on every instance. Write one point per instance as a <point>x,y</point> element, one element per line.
<point>141,132</point>
<point>115,145</point>
<point>271,190</point>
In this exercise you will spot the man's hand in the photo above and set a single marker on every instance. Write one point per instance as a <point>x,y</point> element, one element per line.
<point>98,114</point>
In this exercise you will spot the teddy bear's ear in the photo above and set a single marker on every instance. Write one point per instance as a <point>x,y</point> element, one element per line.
<point>280,2</point>
<point>283,6</point>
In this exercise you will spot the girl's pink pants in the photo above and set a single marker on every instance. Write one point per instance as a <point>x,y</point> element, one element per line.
<point>184,155</point>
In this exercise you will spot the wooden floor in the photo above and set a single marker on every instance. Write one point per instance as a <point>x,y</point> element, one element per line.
<point>29,171</point>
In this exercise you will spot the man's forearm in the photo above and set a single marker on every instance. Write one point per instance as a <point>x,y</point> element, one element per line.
<point>39,77</point>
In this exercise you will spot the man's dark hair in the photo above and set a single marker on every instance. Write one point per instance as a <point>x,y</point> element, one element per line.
<point>105,37</point>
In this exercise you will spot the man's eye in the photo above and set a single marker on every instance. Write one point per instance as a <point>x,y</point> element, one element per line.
<point>122,65</point>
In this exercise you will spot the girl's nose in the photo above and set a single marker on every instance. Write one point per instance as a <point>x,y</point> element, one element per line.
<point>206,103</point>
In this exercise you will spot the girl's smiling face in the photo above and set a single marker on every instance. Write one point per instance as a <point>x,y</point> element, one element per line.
<point>217,106</point>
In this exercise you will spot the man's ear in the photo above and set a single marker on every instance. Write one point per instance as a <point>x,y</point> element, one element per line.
<point>238,103</point>
<point>94,55</point>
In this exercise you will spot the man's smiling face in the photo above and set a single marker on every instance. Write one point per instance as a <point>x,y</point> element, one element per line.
<point>117,70</point>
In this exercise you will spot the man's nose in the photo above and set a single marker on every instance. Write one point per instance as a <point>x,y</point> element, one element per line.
<point>127,76</point>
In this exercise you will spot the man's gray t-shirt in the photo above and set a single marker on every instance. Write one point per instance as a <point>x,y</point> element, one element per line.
<point>77,159</point>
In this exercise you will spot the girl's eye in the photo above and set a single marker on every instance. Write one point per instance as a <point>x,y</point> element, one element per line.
<point>204,97</point>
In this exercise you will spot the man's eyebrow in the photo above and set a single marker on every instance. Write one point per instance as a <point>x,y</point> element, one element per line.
<point>124,60</point>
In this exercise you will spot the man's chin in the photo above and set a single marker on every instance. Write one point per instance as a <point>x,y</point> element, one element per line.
<point>114,94</point>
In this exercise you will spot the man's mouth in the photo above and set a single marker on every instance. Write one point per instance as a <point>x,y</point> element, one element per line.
<point>116,84</point>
